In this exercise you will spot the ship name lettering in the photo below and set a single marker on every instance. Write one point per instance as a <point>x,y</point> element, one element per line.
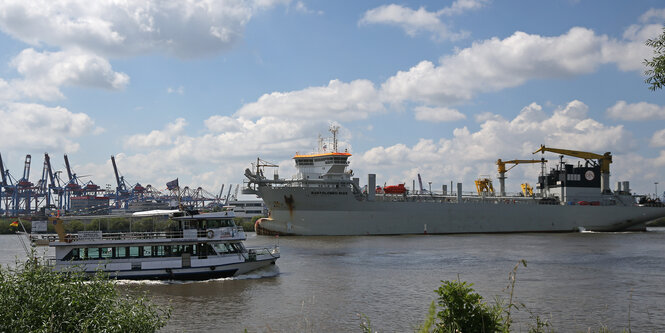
<point>328,193</point>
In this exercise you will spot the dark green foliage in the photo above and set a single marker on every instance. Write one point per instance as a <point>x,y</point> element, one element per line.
<point>6,229</point>
<point>655,72</point>
<point>463,310</point>
<point>33,298</point>
<point>430,320</point>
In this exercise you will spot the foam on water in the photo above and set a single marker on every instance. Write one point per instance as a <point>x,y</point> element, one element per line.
<point>264,272</point>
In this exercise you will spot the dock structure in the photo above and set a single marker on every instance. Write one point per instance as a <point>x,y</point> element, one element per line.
<point>63,192</point>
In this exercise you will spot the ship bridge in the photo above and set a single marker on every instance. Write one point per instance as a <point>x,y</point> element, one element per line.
<point>322,166</point>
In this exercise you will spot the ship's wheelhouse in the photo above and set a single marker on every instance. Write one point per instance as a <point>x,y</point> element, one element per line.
<point>322,166</point>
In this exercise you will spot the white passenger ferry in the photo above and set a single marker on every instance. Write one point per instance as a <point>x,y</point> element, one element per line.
<point>195,247</point>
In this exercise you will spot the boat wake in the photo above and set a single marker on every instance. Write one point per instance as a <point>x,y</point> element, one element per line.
<point>264,272</point>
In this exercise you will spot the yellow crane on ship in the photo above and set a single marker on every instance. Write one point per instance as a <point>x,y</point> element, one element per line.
<point>502,173</point>
<point>484,186</point>
<point>603,160</point>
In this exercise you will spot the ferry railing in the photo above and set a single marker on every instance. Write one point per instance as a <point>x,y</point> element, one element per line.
<point>227,233</point>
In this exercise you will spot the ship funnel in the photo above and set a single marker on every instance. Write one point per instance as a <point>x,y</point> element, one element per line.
<point>459,193</point>
<point>371,186</point>
<point>626,187</point>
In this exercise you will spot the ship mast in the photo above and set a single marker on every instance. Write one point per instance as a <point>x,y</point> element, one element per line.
<point>334,129</point>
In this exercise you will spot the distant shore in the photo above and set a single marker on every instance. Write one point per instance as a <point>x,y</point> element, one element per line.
<point>105,224</point>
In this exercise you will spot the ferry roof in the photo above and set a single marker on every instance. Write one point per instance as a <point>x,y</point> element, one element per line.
<point>321,155</point>
<point>207,216</point>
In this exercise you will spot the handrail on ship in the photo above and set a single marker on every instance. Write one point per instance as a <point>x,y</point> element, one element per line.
<point>135,235</point>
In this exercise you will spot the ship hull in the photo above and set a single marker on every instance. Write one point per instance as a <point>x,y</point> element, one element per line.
<point>303,211</point>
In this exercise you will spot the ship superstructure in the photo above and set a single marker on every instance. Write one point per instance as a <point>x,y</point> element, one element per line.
<point>324,199</point>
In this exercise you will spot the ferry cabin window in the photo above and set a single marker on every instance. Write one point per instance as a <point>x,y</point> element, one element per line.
<point>93,253</point>
<point>200,249</point>
<point>204,250</point>
<point>106,252</point>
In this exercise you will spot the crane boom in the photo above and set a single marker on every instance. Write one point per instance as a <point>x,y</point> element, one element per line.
<point>69,170</point>
<point>4,175</point>
<point>47,161</point>
<point>603,160</point>
<point>502,171</point>
<point>502,164</point>
<point>121,185</point>
<point>26,168</point>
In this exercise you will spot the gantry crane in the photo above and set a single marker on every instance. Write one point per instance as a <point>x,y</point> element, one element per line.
<point>502,171</point>
<point>603,160</point>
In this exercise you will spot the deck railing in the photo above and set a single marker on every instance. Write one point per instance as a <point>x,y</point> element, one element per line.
<point>226,233</point>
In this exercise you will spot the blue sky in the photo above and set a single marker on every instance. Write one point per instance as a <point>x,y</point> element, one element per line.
<point>198,90</point>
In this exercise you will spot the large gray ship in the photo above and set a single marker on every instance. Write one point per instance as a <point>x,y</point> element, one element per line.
<point>324,199</point>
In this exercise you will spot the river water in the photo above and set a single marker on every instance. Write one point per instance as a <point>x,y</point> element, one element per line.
<point>321,284</point>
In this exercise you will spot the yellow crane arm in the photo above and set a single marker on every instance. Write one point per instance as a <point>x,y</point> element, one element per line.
<point>604,160</point>
<point>502,164</point>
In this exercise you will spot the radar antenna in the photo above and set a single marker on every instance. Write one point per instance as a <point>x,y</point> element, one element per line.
<point>334,129</point>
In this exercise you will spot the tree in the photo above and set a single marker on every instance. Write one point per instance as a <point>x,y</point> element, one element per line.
<point>655,72</point>
<point>34,298</point>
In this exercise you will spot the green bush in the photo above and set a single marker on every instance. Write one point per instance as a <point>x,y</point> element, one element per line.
<point>34,298</point>
<point>463,310</point>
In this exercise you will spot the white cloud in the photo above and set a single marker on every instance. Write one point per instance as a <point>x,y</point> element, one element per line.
<point>460,6</point>
<point>440,114</point>
<point>651,14</point>
<point>33,126</point>
<point>180,90</point>
<point>469,154</point>
<point>641,111</point>
<point>412,21</point>
<point>485,116</point>
<point>217,155</point>
<point>302,8</point>
<point>629,53</point>
<point>658,139</point>
<point>113,28</point>
<point>336,101</point>
<point>45,72</point>
<point>157,138</point>
<point>496,64</point>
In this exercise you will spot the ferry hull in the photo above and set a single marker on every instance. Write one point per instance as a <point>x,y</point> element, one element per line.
<point>188,273</point>
<point>297,211</point>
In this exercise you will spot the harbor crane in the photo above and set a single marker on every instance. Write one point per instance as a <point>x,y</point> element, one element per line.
<point>48,184</point>
<point>603,161</point>
<point>121,189</point>
<point>25,187</point>
<point>502,171</point>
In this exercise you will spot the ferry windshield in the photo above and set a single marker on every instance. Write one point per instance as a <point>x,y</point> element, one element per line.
<point>224,248</point>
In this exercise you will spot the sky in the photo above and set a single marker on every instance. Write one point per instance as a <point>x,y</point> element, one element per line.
<point>197,90</point>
